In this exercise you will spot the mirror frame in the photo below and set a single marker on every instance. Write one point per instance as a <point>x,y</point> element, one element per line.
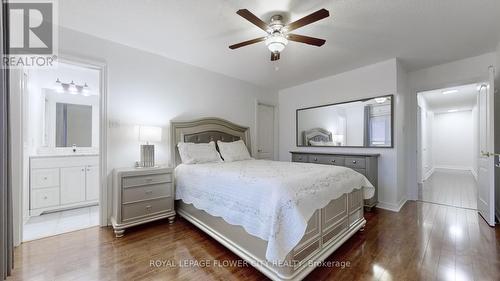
<point>346,146</point>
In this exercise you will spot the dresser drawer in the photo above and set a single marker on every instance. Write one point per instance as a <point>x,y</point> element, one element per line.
<point>145,180</point>
<point>41,178</point>
<point>44,197</point>
<point>299,158</point>
<point>327,159</point>
<point>146,192</point>
<point>355,162</point>
<point>146,208</point>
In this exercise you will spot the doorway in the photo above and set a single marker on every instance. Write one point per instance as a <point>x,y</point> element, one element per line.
<point>448,146</point>
<point>61,149</point>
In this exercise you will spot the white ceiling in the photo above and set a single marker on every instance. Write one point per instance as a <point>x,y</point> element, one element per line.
<point>464,99</point>
<point>421,33</point>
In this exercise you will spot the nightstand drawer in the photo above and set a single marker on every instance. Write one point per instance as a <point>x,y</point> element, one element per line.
<point>146,179</point>
<point>44,178</point>
<point>146,208</point>
<point>355,162</point>
<point>146,192</point>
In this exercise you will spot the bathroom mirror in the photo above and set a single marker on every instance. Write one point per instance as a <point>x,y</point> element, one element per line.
<point>73,125</point>
<point>359,123</point>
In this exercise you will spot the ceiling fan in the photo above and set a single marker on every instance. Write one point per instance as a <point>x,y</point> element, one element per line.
<point>278,33</point>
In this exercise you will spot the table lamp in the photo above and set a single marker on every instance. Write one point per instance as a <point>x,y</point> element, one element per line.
<point>148,134</point>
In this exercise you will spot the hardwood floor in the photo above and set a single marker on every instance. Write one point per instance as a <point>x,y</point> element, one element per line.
<point>450,187</point>
<point>422,242</point>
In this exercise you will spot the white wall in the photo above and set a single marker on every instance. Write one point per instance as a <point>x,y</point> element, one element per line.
<point>452,140</point>
<point>369,81</point>
<point>426,134</point>
<point>469,70</point>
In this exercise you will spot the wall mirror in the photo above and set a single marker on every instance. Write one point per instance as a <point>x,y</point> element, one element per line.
<point>70,120</point>
<point>73,125</point>
<point>360,123</point>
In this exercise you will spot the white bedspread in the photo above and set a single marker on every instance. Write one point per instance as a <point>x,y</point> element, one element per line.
<point>269,199</point>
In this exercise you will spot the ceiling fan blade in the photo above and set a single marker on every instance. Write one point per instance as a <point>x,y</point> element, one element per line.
<point>316,16</point>
<point>253,19</point>
<point>306,39</point>
<point>245,43</point>
<point>275,56</point>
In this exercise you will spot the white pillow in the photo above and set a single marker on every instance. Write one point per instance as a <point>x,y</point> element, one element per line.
<point>196,153</point>
<point>233,151</point>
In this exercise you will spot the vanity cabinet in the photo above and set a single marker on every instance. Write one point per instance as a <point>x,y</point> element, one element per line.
<point>62,182</point>
<point>365,164</point>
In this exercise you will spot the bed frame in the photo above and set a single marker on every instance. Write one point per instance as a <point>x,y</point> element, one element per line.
<point>327,229</point>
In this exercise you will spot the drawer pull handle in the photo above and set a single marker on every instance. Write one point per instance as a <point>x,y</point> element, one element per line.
<point>45,178</point>
<point>45,197</point>
<point>315,159</point>
<point>149,192</point>
<point>354,161</point>
<point>300,158</point>
<point>148,207</point>
<point>333,161</point>
<point>83,169</point>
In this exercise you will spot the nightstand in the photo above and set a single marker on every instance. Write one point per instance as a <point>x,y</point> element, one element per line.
<point>141,195</point>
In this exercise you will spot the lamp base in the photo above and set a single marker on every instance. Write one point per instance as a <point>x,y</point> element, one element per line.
<point>147,155</point>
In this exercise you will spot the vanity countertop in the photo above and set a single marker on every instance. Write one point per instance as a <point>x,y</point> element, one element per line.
<point>63,155</point>
<point>337,153</point>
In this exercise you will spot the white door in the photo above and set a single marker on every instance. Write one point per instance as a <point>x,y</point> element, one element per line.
<point>265,132</point>
<point>486,161</point>
<point>72,185</point>
<point>92,183</point>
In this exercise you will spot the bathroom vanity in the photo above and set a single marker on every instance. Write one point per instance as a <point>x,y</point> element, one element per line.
<point>59,182</point>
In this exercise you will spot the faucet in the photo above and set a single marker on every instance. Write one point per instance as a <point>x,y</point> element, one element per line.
<point>74,147</point>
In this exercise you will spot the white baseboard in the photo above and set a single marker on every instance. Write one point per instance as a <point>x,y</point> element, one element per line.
<point>449,167</point>
<point>391,206</point>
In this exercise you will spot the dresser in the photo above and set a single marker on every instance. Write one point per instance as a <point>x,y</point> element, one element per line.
<point>59,182</point>
<point>364,163</point>
<point>141,195</point>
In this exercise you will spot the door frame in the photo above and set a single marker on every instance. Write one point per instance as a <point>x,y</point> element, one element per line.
<point>275,125</point>
<point>104,195</point>
<point>413,185</point>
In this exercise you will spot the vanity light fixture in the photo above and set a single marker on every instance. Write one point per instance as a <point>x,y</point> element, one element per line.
<point>449,92</point>
<point>72,88</point>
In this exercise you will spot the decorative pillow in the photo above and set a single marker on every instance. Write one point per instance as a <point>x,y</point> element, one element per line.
<point>197,153</point>
<point>233,151</point>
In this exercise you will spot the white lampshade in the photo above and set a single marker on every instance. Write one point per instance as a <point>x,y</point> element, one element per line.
<point>149,134</point>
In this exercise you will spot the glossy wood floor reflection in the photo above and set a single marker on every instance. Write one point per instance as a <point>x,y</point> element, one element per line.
<point>422,242</point>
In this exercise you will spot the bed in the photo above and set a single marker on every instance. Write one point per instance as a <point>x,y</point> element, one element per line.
<point>277,216</point>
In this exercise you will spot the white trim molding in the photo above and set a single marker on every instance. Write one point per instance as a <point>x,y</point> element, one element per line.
<point>392,207</point>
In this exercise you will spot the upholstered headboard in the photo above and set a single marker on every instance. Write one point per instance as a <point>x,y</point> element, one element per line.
<point>316,134</point>
<point>203,131</point>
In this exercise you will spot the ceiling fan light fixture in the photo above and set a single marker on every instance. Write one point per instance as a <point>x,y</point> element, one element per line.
<point>276,42</point>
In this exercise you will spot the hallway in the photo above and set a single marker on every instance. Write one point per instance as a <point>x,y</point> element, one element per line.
<point>450,187</point>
